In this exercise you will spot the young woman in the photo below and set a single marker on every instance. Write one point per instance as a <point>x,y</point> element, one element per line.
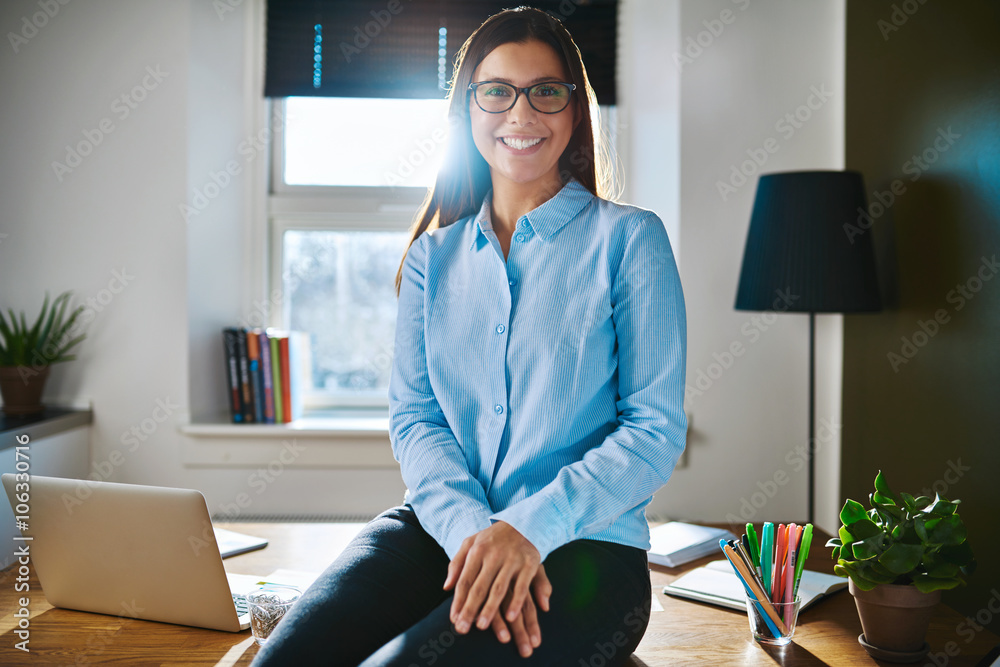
<point>535,400</point>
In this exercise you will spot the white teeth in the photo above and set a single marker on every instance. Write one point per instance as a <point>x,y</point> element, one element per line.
<point>519,144</point>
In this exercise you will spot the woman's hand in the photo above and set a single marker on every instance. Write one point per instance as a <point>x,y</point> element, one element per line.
<point>494,565</point>
<point>527,633</point>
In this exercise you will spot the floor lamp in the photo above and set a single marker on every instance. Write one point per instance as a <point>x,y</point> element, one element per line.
<point>804,240</point>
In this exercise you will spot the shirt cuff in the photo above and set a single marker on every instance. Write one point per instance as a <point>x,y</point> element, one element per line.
<point>539,520</point>
<point>463,527</point>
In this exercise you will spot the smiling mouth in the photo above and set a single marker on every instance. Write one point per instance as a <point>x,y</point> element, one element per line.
<point>520,144</point>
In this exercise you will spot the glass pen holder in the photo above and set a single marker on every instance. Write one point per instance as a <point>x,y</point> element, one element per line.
<point>776,630</point>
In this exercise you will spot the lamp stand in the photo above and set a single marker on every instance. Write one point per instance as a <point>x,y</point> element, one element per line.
<point>812,417</point>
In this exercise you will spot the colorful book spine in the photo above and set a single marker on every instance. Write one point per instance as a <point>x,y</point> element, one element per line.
<point>229,338</point>
<point>277,387</point>
<point>253,367</point>
<point>286,379</point>
<point>246,389</point>
<point>266,376</point>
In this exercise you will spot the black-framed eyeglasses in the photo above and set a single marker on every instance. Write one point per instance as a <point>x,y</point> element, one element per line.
<point>546,97</point>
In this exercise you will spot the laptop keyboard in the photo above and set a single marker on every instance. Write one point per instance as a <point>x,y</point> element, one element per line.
<point>241,604</point>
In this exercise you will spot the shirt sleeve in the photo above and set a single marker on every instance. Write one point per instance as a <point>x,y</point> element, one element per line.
<point>639,456</point>
<point>449,501</point>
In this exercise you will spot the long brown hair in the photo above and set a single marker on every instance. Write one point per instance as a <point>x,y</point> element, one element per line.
<point>464,178</point>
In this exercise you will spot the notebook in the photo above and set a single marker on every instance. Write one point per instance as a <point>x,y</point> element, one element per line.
<point>718,584</point>
<point>128,550</point>
<point>676,543</point>
<point>232,543</point>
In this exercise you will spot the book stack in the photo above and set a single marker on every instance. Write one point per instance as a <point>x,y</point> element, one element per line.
<point>675,543</point>
<point>267,371</point>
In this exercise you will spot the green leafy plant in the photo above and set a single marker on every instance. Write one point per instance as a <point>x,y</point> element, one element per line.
<point>902,540</point>
<point>45,342</point>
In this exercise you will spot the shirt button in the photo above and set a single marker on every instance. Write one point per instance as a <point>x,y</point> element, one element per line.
<point>512,282</point>
<point>498,408</point>
<point>501,328</point>
<point>519,238</point>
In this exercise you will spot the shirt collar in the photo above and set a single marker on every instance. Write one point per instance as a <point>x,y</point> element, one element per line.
<point>548,218</point>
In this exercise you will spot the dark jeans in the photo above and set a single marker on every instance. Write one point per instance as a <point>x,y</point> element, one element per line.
<point>381,603</point>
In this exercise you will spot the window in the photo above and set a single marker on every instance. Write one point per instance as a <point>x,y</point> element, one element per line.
<point>344,193</point>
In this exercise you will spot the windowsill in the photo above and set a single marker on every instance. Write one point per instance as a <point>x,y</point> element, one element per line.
<point>317,424</point>
<point>323,439</point>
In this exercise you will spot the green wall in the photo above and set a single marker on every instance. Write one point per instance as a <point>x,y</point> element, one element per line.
<point>923,113</point>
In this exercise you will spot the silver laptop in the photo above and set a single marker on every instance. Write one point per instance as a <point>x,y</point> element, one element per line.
<point>128,550</point>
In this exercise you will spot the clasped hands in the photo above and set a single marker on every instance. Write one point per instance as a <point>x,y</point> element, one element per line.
<point>493,572</point>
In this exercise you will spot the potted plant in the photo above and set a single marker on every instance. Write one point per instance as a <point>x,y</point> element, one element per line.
<point>899,556</point>
<point>26,353</point>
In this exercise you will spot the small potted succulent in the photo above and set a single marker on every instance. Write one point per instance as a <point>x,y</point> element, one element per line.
<point>26,353</point>
<point>899,556</point>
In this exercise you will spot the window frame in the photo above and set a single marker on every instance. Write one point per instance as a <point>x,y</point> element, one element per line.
<point>326,208</point>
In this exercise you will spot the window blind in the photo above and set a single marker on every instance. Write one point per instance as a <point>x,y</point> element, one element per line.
<point>406,48</point>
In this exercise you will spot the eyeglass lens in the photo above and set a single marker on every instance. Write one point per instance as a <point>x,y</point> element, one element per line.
<point>545,97</point>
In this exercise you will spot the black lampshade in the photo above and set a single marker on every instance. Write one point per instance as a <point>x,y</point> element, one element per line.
<point>805,240</point>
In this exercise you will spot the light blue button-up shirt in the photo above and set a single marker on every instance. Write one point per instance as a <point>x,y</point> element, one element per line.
<point>545,390</point>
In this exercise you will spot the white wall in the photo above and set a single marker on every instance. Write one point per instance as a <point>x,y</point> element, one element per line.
<point>119,210</point>
<point>757,62</point>
<point>114,212</point>
<point>650,110</point>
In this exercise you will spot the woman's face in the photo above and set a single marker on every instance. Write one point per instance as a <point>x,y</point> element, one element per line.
<point>544,137</point>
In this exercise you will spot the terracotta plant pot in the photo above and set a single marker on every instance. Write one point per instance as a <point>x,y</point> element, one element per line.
<point>895,618</point>
<point>21,388</point>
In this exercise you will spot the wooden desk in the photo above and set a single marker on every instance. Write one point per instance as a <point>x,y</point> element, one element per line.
<point>684,633</point>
